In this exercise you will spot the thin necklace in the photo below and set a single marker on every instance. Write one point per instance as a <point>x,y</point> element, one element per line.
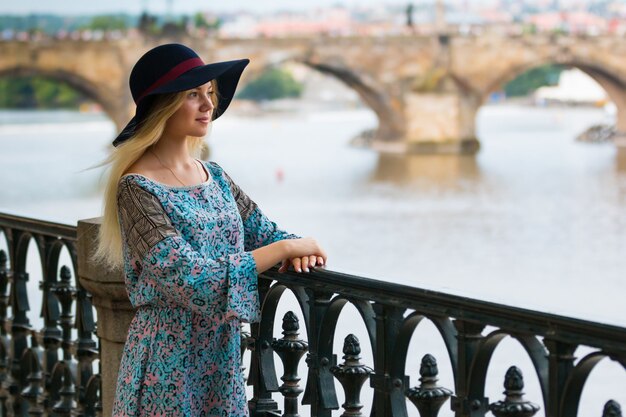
<point>164,166</point>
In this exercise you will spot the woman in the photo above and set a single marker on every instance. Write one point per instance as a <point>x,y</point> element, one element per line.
<point>191,243</point>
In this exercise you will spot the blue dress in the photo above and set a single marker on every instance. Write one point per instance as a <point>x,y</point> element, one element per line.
<point>192,279</point>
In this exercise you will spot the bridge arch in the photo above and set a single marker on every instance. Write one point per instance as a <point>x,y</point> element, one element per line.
<point>608,79</point>
<point>108,101</point>
<point>596,70</point>
<point>384,105</point>
<point>390,122</point>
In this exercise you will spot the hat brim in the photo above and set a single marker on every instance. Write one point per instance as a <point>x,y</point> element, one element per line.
<point>226,74</point>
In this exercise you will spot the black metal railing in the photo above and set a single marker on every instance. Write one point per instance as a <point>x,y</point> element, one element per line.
<point>45,371</point>
<point>391,313</point>
<point>36,381</point>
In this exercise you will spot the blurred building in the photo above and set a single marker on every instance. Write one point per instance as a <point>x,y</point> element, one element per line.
<point>577,22</point>
<point>617,26</point>
<point>332,21</point>
<point>240,25</point>
<point>336,21</point>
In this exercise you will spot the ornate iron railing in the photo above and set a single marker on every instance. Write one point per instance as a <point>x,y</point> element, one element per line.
<point>36,381</point>
<point>391,312</point>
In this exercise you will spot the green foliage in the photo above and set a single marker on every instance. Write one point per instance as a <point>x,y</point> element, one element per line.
<point>272,84</point>
<point>533,79</point>
<point>37,92</point>
<point>16,94</point>
<point>106,22</point>
<point>200,21</point>
<point>51,24</point>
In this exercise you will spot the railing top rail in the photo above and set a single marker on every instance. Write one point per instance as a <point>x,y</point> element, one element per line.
<point>514,320</point>
<point>43,227</point>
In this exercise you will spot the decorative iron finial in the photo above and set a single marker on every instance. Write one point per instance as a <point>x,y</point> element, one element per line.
<point>351,346</point>
<point>33,390</point>
<point>514,404</point>
<point>66,274</point>
<point>428,397</point>
<point>290,349</point>
<point>428,367</point>
<point>612,409</point>
<point>65,293</point>
<point>290,323</point>
<point>514,380</point>
<point>351,374</point>
<point>67,403</point>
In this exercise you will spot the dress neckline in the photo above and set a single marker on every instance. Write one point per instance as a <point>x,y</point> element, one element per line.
<point>181,187</point>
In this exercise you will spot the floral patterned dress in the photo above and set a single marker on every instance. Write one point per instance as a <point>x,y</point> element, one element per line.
<point>192,278</point>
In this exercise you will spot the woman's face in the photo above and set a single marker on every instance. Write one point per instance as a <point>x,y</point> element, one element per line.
<point>193,116</point>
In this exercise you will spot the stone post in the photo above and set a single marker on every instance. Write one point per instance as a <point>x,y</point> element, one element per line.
<point>112,305</point>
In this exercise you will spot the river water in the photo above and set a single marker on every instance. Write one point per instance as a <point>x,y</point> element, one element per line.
<point>534,220</point>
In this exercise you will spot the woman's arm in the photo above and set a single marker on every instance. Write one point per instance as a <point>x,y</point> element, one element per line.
<point>268,256</point>
<point>170,270</point>
<point>302,253</point>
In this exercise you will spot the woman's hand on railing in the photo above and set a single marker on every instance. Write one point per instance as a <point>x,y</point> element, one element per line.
<point>303,254</point>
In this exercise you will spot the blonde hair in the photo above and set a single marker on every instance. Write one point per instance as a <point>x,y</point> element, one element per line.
<point>109,248</point>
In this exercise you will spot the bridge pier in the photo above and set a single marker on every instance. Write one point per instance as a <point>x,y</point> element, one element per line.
<point>619,99</point>
<point>440,123</point>
<point>435,123</point>
<point>616,90</point>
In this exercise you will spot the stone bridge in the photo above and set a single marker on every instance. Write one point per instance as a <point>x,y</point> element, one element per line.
<point>426,92</point>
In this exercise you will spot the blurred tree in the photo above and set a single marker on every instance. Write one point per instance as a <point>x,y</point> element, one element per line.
<point>533,79</point>
<point>272,84</point>
<point>15,93</point>
<point>204,25</point>
<point>52,24</point>
<point>106,22</point>
<point>37,92</point>
<point>199,21</point>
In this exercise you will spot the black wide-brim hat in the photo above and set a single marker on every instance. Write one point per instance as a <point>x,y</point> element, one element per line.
<point>171,68</point>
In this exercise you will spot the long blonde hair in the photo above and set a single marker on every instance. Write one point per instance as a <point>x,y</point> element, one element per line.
<point>108,251</point>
